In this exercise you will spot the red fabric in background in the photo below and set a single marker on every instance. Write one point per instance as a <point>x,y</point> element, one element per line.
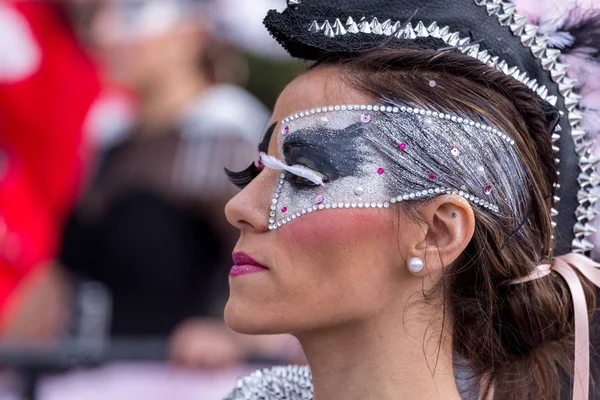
<point>41,119</point>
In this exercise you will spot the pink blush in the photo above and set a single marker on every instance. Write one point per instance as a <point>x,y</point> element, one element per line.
<point>327,228</point>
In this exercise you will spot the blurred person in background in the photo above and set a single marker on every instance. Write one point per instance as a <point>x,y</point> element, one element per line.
<point>47,87</point>
<point>150,226</point>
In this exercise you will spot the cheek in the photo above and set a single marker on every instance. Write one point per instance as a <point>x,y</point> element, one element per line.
<point>344,245</point>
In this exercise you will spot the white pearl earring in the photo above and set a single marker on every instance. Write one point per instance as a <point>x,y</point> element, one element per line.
<point>416,264</point>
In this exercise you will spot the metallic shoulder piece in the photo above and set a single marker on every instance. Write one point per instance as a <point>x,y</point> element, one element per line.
<point>291,382</point>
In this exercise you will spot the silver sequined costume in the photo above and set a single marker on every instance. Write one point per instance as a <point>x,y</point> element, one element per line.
<point>291,382</point>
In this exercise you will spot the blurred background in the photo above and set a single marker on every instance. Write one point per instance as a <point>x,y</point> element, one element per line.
<point>117,118</point>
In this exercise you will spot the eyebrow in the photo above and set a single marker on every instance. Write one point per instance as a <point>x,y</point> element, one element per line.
<point>263,146</point>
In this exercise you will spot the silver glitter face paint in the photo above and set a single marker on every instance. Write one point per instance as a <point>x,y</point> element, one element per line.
<point>378,156</point>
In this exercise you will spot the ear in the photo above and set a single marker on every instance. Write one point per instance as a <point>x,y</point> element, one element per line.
<point>448,226</point>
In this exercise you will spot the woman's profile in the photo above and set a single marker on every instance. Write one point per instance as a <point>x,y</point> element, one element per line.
<point>424,199</point>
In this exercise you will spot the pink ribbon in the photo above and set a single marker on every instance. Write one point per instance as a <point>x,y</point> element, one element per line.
<point>565,266</point>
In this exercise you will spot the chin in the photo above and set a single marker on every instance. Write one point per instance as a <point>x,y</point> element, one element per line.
<point>248,320</point>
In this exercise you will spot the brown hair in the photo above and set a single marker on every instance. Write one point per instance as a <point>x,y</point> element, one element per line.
<point>516,338</point>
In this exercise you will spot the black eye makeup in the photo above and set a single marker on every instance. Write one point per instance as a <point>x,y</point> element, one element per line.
<point>241,179</point>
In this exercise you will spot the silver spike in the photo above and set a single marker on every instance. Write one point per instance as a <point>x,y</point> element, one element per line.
<point>518,25</point>
<point>582,230</point>
<point>338,28</point>
<point>553,224</point>
<point>541,41</point>
<point>494,61</point>
<point>386,27</point>
<point>328,30</point>
<point>421,30</point>
<point>484,56</point>
<point>553,212</point>
<point>508,7</point>
<point>552,54</point>
<point>376,27</point>
<point>435,33</point>
<point>492,8</point>
<point>480,2</point>
<point>583,197</point>
<point>444,30</point>
<point>542,91</point>
<point>589,162</point>
<point>558,72</point>
<point>557,160</point>
<point>555,137</point>
<point>453,39</point>
<point>552,99</point>
<point>577,134</point>
<point>314,27</point>
<point>464,41</point>
<point>396,27</point>
<point>528,35</point>
<point>585,213</point>
<point>583,147</point>
<point>592,179</point>
<point>501,65</point>
<point>293,2</point>
<point>510,71</point>
<point>574,117</point>
<point>364,27</point>
<point>571,101</point>
<point>349,21</point>
<point>548,63</point>
<point>558,128</point>
<point>473,51</point>
<point>352,28</point>
<point>408,33</point>
<point>556,199</point>
<point>432,26</point>
<point>537,50</point>
<point>505,19</point>
<point>533,85</point>
<point>555,149</point>
<point>581,245</point>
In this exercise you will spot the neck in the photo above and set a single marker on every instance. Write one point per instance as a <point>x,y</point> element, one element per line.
<point>390,356</point>
<point>163,102</point>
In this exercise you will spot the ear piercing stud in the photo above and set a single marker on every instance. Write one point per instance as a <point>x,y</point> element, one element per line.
<point>416,264</point>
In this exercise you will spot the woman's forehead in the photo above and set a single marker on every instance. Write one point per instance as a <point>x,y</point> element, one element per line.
<point>316,88</point>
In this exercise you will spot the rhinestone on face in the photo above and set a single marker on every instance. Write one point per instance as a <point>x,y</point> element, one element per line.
<point>455,151</point>
<point>488,189</point>
<point>402,146</point>
<point>380,171</point>
<point>432,83</point>
<point>365,118</point>
<point>359,190</point>
<point>284,209</point>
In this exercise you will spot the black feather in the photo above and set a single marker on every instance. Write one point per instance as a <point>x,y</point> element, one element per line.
<point>585,28</point>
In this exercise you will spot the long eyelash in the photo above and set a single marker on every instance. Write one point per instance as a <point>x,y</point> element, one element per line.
<point>299,170</point>
<point>241,179</point>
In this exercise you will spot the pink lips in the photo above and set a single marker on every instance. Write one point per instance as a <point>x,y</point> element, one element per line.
<point>244,264</point>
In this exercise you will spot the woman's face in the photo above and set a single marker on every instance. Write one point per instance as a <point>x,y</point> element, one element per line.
<point>325,268</point>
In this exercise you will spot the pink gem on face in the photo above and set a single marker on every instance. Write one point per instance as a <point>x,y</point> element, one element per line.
<point>319,199</point>
<point>432,83</point>
<point>380,171</point>
<point>431,176</point>
<point>402,146</point>
<point>284,209</point>
<point>285,130</point>
<point>365,118</point>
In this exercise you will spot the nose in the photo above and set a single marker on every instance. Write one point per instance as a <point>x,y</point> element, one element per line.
<point>249,209</point>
